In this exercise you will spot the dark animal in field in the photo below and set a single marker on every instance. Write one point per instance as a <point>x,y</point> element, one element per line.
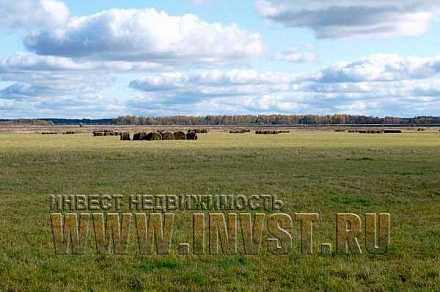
<point>49,133</point>
<point>180,135</point>
<point>168,136</point>
<point>153,136</point>
<point>125,136</point>
<point>191,136</point>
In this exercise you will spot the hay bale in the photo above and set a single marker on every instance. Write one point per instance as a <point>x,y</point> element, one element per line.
<point>168,136</point>
<point>392,131</point>
<point>125,136</point>
<point>240,131</point>
<point>140,136</point>
<point>109,133</point>
<point>191,136</point>
<point>267,132</point>
<point>180,135</point>
<point>137,137</point>
<point>200,131</point>
<point>154,136</point>
<point>144,136</point>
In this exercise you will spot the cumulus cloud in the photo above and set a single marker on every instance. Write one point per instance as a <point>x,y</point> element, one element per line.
<point>52,94</point>
<point>382,68</point>
<point>25,62</point>
<point>178,88</point>
<point>21,91</point>
<point>133,35</point>
<point>32,14</point>
<point>346,18</point>
<point>212,78</point>
<point>380,84</point>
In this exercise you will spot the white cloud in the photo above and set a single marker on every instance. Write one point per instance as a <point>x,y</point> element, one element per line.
<point>212,78</point>
<point>32,14</point>
<point>296,56</point>
<point>25,62</point>
<point>378,85</point>
<point>345,18</point>
<point>60,86</point>
<point>382,68</point>
<point>52,94</point>
<point>133,35</point>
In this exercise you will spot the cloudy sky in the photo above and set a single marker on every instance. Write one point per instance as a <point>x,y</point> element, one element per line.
<point>105,58</point>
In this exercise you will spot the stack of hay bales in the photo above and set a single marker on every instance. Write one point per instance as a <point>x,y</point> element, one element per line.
<point>271,132</point>
<point>102,133</point>
<point>155,136</point>
<point>239,131</point>
<point>125,136</point>
<point>370,131</point>
<point>393,131</point>
<point>110,133</point>
<point>365,131</point>
<point>200,131</point>
<point>191,135</point>
<point>267,132</point>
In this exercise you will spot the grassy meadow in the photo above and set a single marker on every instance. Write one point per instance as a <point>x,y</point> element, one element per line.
<point>312,171</point>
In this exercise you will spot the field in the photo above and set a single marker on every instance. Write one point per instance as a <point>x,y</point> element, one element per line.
<point>319,171</point>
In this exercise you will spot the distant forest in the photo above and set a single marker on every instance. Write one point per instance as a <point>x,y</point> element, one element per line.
<point>273,120</point>
<point>244,120</point>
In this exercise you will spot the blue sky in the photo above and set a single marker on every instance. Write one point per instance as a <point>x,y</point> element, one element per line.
<point>94,59</point>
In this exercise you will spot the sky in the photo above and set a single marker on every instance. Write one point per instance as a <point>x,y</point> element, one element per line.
<point>103,59</point>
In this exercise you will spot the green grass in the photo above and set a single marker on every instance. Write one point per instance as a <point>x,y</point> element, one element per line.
<point>311,171</point>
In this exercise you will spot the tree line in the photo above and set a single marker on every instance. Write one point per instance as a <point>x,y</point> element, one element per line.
<point>273,120</point>
<point>237,120</point>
